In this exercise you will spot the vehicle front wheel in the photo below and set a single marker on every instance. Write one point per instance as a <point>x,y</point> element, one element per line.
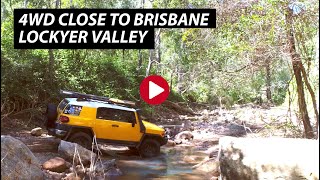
<point>149,148</point>
<point>81,138</point>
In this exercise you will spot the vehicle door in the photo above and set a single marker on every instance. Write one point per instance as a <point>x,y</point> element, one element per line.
<point>118,125</point>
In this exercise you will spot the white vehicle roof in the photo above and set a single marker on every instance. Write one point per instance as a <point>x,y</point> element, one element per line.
<point>97,104</point>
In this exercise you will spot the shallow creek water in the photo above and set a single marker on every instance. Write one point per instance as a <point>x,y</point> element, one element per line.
<point>173,163</point>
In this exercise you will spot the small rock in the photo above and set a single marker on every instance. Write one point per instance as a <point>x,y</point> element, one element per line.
<point>177,141</point>
<point>189,159</point>
<point>184,135</point>
<point>170,143</point>
<point>36,131</point>
<point>56,164</point>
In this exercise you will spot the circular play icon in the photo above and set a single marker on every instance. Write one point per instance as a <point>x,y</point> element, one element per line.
<point>154,89</point>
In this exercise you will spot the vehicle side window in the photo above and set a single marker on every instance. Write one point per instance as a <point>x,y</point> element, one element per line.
<point>116,115</point>
<point>73,110</point>
<point>63,104</point>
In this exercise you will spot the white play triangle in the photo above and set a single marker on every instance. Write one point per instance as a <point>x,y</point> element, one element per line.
<point>154,90</point>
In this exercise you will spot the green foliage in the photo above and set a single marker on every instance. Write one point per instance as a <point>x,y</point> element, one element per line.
<point>226,64</point>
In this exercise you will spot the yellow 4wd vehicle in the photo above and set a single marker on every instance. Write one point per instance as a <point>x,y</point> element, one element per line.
<point>81,116</point>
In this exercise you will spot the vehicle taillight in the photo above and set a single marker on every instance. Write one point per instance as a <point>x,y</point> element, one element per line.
<point>64,119</point>
<point>162,134</point>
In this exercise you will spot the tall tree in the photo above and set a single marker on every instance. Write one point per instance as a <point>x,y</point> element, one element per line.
<point>297,69</point>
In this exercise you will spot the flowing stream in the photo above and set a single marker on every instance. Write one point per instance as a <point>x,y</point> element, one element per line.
<point>173,163</point>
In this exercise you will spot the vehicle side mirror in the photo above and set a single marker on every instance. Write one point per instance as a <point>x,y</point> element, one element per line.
<point>133,123</point>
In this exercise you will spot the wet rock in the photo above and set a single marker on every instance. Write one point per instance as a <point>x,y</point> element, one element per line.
<point>113,172</point>
<point>268,158</point>
<point>67,150</point>
<point>17,161</point>
<point>210,166</point>
<point>189,159</point>
<point>184,135</point>
<point>36,131</point>
<point>103,167</point>
<point>213,151</point>
<point>56,164</point>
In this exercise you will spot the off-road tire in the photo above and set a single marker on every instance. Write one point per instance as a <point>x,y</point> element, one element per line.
<point>81,138</point>
<point>149,148</point>
<point>51,116</point>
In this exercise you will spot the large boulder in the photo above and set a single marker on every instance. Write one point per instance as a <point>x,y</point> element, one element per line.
<point>67,150</point>
<point>17,161</point>
<point>268,158</point>
<point>56,164</point>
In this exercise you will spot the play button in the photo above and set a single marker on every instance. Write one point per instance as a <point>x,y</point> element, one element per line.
<point>154,89</point>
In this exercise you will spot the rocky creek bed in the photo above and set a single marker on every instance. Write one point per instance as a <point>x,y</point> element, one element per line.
<point>191,153</point>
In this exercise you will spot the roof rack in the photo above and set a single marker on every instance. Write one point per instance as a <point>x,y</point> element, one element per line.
<point>98,98</point>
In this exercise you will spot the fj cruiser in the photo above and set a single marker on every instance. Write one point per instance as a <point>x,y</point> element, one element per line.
<point>81,116</point>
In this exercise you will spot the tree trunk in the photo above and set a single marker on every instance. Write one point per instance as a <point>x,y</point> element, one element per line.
<point>180,80</point>
<point>313,97</point>
<point>297,69</point>
<point>268,80</point>
<point>25,3</point>
<point>159,51</point>
<point>150,62</point>
<point>51,66</point>
<point>139,62</point>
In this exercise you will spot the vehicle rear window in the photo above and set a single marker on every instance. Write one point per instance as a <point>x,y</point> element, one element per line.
<point>63,104</point>
<point>73,110</point>
<point>116,115</point>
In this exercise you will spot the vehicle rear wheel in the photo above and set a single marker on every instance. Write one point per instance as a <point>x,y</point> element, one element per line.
<point>51,115</point>
<point>149,148</point>
<point>81,138</point>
